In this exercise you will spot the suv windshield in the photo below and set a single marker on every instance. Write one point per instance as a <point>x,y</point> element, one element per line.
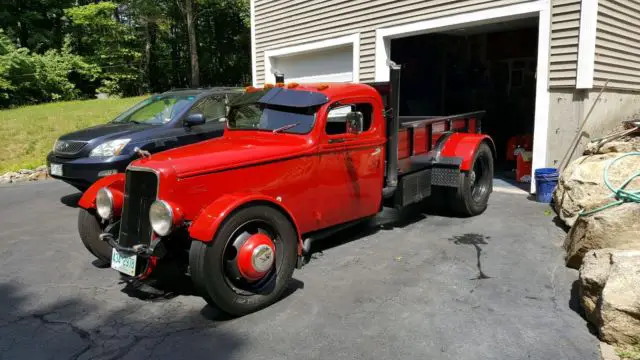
<point>247,114</point>
<point>157,110</point>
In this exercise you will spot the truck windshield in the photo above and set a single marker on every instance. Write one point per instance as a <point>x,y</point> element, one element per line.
<point>156,110</point>
<point>255,116</point>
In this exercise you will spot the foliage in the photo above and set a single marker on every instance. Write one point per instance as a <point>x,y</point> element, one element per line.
<point>104,40</point>
<point>27,78</point>
<point>27,133</point>
<point>70,49</point>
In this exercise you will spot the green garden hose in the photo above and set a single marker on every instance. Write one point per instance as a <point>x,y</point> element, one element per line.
<point>621,194</point>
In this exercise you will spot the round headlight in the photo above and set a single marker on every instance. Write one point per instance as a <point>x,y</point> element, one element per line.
<point>161,217</point>
<point>104,203</point>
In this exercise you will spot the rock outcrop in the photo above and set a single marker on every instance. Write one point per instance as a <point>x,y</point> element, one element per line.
<point>581,185</point>
<point>610,294</point>
<point>617,227</point>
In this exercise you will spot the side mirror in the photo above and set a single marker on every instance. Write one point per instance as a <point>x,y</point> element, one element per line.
<point>194,119</point>
<point>354,122</point>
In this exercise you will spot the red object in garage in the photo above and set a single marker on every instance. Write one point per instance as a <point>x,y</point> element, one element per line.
<point>519,141</point>
<point>523,166</point>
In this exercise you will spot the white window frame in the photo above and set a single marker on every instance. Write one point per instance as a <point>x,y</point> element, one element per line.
<point>540,8</point>
<point>353,40</point>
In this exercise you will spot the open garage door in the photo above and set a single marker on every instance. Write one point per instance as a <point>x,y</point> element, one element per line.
<point>326,65</point>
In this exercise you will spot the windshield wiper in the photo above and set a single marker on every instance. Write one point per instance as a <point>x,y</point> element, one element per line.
<point>286,127</point>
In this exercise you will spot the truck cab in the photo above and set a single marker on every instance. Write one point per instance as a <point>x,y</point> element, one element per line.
<point>295,163</point>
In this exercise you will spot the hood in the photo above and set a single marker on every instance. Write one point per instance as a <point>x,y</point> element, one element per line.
<point>107,131</point>
<point>227,153</point>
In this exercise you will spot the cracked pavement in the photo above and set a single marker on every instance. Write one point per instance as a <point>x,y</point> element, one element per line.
<point>489,287</point>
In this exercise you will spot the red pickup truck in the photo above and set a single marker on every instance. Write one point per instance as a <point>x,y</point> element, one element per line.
<point>295,163</point>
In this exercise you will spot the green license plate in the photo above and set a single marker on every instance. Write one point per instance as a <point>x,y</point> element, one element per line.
<point>124,263</point>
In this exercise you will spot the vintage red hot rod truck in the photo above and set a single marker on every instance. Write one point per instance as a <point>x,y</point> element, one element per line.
<point>296,162</point>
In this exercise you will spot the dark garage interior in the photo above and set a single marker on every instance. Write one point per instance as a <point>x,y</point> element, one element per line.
<point>489,67</point>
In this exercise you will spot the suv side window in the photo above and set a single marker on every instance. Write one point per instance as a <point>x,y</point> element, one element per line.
<point>212,107</point>
<point>337,117</point>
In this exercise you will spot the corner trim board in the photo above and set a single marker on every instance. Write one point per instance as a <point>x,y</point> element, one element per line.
<point>587,44</point>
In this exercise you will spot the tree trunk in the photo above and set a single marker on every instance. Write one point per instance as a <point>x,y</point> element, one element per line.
<point>147,60</point>
<point>193,45</point>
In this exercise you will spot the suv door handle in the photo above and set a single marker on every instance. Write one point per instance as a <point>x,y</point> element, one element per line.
<point>335,141</point>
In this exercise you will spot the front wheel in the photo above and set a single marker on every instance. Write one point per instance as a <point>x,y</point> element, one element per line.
<point>248,264</point>
<point>475,186</point>
<point>90,228</point>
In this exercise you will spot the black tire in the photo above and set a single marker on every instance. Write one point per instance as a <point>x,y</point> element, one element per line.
<point>472,195</point>
<point>89,228</point>
<point>207,265</point>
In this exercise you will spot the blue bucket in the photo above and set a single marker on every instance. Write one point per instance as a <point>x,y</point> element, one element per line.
<point>546,182</point>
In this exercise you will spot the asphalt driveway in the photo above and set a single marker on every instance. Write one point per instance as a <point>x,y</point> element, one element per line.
<point>428,287</point>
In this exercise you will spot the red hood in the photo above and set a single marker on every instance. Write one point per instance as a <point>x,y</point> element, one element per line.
<point>226,152</point>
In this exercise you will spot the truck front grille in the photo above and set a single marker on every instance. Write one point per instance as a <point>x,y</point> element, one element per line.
<point>140,191</point>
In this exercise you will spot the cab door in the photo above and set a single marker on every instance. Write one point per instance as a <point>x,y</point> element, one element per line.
<point>351,163</point>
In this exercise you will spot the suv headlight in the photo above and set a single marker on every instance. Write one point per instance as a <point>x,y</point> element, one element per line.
<point>161,216</point>
<point>110,148</point>
<point>104,203</point>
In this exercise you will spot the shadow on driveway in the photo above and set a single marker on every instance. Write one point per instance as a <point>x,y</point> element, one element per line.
<point>71,329</point>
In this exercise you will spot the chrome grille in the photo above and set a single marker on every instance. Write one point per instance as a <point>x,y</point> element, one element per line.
<point>140,191</point>
<point>69,147</point>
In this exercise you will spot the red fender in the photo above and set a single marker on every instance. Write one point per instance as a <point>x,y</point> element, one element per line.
<point>88,199</point>
<point>205,226</point>
<point>464,146</point>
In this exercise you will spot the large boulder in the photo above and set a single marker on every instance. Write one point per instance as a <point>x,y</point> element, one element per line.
<point>624,144</point>
<point>581,185</point>
<point>610,294</point>
<point>617,227</point>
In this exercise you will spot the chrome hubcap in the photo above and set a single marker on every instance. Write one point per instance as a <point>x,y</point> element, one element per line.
<point>262,258</point>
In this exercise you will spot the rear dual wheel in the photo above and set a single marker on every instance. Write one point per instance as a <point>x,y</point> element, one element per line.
<point>248,264</point>
<point>475,186</point>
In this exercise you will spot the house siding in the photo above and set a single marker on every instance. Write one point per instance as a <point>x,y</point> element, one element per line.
<point>617,57</point>
<point>285,23</point>
<point>563,52</point>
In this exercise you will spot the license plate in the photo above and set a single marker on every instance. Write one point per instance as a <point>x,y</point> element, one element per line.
<point>56,169</point>
<point>124,263</point>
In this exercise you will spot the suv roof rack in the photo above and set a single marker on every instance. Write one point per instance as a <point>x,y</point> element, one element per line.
<point>215,88</point>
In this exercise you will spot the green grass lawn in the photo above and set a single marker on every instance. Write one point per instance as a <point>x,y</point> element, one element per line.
<point>27,134</point>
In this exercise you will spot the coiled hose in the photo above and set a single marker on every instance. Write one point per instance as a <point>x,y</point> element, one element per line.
<point>621,194</point>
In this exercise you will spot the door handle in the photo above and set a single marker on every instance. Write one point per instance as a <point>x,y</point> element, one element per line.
<point>335,141</point>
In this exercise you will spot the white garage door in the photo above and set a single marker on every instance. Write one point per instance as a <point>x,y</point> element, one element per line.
<point>327,65</point>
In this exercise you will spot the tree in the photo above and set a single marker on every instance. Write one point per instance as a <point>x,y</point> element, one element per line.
<point>99,34</point>
<point>187,9</point>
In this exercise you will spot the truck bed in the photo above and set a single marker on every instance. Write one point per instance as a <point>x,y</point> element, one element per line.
<point>418,135</point>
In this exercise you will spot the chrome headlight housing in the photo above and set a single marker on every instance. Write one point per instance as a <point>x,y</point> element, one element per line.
<point>110,148</point>
<point>161,217</point>
<point>104,203</point>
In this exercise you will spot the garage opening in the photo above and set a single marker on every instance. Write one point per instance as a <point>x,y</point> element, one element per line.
<point>489,67</point>
<point>326,65</point>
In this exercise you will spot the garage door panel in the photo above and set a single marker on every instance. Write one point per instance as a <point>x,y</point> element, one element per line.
<point>327,65</point>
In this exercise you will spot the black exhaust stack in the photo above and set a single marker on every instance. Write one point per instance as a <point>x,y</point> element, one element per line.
<point>393,126</point>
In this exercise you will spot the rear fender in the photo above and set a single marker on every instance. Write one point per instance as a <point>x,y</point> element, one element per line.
<point>205,226</point>
<point>463,146</point>
<point>88,199</point>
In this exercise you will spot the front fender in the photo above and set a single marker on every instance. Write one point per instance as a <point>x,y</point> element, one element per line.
<point>205,226</point>
<point>464,146</point>
<point>88,199</point>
